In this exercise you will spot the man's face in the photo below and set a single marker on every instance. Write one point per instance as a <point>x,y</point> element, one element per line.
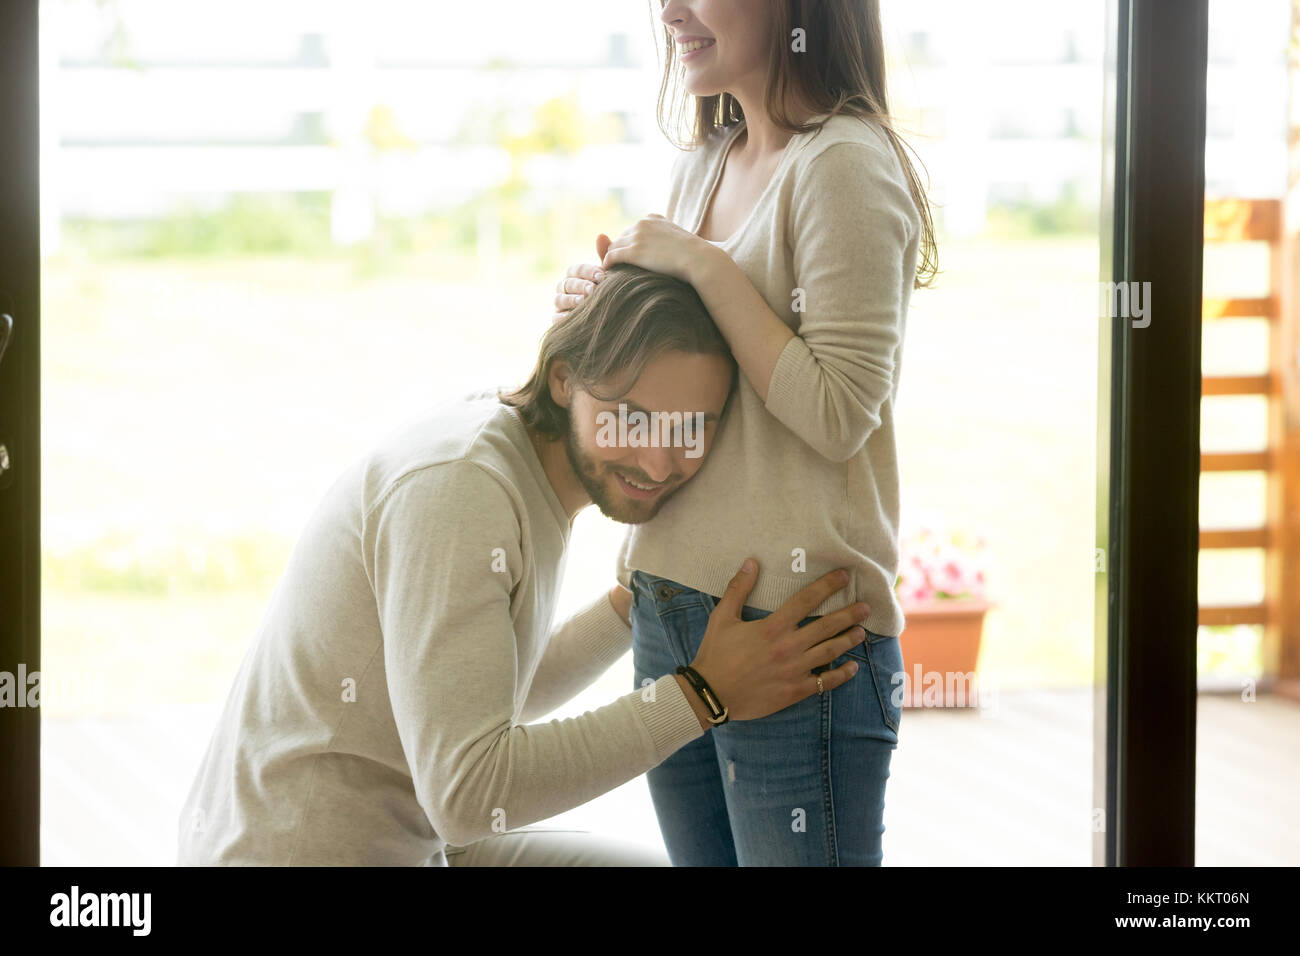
<point>609,452</point>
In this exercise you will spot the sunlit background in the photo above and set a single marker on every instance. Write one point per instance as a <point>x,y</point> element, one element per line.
<point>273,233</point>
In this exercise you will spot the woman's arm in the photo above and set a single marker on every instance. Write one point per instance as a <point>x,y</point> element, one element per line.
<point>852,226</point>
<point>756,334</point>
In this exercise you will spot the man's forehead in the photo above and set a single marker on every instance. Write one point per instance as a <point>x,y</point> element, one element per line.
<point>635,406</point>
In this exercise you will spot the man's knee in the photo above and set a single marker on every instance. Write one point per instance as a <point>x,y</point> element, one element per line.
<point>554,847</point>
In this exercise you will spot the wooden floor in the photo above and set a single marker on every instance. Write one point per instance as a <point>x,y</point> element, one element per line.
<point>1009,786</point>
<point>1014,787</point>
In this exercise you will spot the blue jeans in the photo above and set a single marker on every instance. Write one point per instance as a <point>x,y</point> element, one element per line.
<point>802,787</point>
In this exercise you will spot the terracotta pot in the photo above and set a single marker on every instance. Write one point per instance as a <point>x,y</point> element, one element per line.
<point>942,638</point>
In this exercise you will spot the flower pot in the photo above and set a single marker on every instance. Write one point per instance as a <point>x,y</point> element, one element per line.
<point>941,647</point>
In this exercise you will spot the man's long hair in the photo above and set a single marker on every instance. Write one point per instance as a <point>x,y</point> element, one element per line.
<point>633,316</point>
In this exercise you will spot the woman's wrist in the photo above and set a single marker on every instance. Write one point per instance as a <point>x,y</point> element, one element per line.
<point>705,264</point>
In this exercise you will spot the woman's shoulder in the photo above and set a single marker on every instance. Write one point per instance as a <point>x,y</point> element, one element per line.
<point>870,158</point>
<point>851,158</point>
<point>846,128</point>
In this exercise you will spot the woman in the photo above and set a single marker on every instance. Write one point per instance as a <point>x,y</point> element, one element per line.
<point>801,223</point>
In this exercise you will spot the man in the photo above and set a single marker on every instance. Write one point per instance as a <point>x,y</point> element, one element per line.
<point>381,713</point>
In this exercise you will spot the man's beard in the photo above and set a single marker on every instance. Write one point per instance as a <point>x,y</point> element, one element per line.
<point>612,504</point>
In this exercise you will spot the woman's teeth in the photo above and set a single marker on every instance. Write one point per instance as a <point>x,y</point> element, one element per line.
<point>694,45</point>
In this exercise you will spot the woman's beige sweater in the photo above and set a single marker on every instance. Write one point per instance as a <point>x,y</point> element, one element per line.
<point>808,481</point>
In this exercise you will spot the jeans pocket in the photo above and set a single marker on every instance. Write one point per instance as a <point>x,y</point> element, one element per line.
<point>668,622</point>
<point>885,659</point>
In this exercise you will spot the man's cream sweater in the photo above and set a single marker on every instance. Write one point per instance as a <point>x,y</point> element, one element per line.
<point>382,710</point>
<point>808,481</point>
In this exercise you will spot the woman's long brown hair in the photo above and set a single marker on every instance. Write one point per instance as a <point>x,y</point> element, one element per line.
<point>841,71</point>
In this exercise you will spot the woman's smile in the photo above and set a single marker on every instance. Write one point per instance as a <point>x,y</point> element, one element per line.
<point>694,47</point>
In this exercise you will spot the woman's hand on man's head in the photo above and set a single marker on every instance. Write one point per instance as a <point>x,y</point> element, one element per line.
<point>579,281</point>
<point>658,244</point>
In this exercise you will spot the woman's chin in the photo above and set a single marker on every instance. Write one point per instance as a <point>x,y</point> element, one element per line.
<point>696,87</point>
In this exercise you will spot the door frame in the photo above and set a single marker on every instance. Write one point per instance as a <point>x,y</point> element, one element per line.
<point>20,431</point>
<point>1149,412</point>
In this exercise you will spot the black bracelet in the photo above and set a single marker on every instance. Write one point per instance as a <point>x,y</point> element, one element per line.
<point>717,713</point>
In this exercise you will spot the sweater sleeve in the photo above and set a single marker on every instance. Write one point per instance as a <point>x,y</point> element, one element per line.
<point>579,651</point>
<point>850,258</point>
<point>452,663</point>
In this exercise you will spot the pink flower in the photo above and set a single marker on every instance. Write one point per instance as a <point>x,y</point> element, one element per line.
<point>949,572</point>
<point>935,564</point>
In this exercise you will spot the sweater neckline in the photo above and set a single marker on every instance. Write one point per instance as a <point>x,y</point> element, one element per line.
<point>715,177</point>
<point>525,446</point>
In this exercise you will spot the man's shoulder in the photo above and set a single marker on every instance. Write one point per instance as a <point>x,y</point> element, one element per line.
<point>467,439</point>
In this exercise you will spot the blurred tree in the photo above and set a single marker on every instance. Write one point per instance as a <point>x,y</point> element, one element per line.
<point>117,41</point>
<point>384,132</point>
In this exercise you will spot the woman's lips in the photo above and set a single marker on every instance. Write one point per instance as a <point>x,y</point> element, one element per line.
<point>692,54</point>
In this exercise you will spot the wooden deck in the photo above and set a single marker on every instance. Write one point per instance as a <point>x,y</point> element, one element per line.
<point>1011,787</point>
<point>1015,787</point>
